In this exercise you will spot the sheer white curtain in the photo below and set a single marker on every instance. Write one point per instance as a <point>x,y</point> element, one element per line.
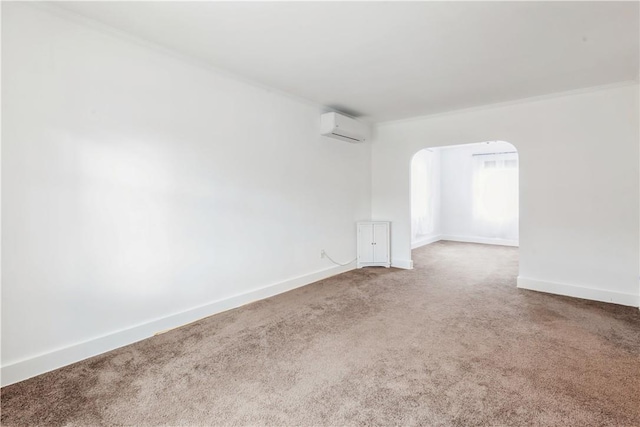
<point>495,194</point>
<point>422,178</point>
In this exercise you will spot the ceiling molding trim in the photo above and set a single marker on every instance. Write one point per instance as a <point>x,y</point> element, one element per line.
<point>188,59</point>
<point>498,105</point>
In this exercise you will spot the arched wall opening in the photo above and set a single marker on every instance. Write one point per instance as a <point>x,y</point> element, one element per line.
<point>578,223</point>
<point>465,193</point>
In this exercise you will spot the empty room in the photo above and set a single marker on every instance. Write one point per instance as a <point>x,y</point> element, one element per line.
<point>320,213</point>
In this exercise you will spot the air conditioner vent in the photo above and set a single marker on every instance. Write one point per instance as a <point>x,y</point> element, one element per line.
<point>350,130</point>
<point>344,136</point>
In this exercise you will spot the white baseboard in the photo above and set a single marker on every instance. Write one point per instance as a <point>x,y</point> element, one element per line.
<point>405,264</point>
<point>465,239</point>
<point>55,359</point>
<point>579,291</point>
<point>476,239</point>
<point>425,241</point>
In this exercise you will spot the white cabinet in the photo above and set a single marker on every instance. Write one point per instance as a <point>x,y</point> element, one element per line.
<point>373,244</point>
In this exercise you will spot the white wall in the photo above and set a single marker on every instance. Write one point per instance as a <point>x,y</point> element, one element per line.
<point>578,185</point>
<point>418,240</point>
<point>457,193</point>
<point>137,186</point>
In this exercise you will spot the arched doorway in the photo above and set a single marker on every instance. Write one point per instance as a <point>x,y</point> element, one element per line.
<point>467,193</point>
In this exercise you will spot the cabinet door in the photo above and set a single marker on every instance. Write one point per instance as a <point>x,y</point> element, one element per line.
<point>381,243</point>
<point>365,243</point>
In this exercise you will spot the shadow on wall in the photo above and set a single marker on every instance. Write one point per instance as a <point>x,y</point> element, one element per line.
<point>465,193</point>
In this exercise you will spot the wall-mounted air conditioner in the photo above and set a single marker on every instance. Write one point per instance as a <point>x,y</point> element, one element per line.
<point>335,125</point>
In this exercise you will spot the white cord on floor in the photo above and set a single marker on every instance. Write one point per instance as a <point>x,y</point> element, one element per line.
<point>337,263</point>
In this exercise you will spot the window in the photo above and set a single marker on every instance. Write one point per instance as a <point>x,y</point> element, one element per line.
<point>495,193</point>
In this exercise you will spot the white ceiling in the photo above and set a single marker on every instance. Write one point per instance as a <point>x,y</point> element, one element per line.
<point>386,60</point>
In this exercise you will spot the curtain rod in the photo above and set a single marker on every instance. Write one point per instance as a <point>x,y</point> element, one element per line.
<point>502,152</point>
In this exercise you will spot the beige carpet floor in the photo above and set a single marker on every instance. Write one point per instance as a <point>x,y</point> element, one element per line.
<point>451,343</point>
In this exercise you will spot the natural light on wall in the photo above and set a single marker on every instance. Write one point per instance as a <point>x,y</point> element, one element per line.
<point>422,206</point>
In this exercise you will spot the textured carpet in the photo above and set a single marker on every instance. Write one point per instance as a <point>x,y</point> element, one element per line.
<point>453,342</point>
